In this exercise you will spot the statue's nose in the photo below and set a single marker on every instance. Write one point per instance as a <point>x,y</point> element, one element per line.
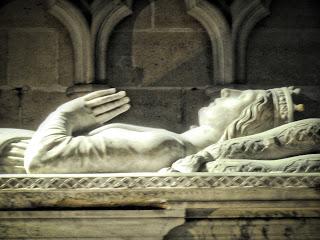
<point>227,92</point>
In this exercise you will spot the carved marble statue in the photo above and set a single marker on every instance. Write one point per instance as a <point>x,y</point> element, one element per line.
<point>251,130</point>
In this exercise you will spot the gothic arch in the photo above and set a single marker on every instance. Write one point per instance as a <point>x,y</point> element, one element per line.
<point>105,19</point>
<point>246,14</point>
<point>218,29</point>
<point>72,18</point>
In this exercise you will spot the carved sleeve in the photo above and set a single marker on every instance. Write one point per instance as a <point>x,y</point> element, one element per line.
<point>54,149</point>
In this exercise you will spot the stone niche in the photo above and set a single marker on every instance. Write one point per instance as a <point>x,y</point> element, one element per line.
<point>35,47</point>
<point>157,54</point>
<point>36,59</point>
<point>159,45</point>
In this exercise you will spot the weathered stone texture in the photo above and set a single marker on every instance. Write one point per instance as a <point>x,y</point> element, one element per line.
<point>10,109</point>
<point>298,14</point>
<point>173,51</point>
<point>284,48</point>
<point>161,49</point>
<point>35,48</point>
<point>194,99</point>
<point>173,14</point>
<point>30,13</point>
<point>148,106</point>
<point>246,229</point>
<point>189,207</point>
<point>159,59</point>
<point>3,57</point>
<point>33,56</point>
<point>65,59</point>
<point>275,47</point>
<point>141,18</point>
<point>36,106</point>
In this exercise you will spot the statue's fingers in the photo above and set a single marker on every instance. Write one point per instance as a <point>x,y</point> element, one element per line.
<point>110,106</point>
<point>20,145</point>
<point>109,115</point>
<point>105,99</point>
<point>12,161</point>
<point>16,152</point>
<point>99,93</point>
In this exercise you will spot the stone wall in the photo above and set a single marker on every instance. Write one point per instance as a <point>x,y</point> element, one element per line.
<point>170,55</point>
<point>285,47</point>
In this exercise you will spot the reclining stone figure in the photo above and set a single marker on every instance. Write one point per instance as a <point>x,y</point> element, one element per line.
<point>251,130</point>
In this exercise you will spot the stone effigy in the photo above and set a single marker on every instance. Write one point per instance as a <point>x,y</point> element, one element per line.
<point>243,131</point>
<point>219,179</point>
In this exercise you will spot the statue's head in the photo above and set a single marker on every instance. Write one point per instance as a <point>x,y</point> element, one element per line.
<point>240,113</point>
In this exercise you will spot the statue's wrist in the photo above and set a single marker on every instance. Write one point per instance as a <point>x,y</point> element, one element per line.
<point>79,120</point>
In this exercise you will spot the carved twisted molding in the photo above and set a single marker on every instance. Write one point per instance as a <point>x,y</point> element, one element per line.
<point>218,29</point>
<point>145,181</point>
<point>72,18</point>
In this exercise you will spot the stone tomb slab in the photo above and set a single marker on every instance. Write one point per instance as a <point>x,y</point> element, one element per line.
<point>157,206</point>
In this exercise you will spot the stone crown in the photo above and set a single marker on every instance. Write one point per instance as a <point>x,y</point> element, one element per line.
<point>283,104</point>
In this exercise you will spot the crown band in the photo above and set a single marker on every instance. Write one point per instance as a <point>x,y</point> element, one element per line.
<point>283,104</point>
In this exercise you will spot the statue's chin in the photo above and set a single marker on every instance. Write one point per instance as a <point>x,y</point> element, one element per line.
<point>202,117</point>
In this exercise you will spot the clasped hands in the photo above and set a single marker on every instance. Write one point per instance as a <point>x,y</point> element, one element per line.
<point>95,108</point>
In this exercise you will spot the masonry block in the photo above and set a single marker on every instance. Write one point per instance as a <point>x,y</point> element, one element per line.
<point>194,100</point>
<point>173,14</point>
<point>10,110</point>
<point>33,57</point>
<point>159,108</point>
<point>160,59</point>
<point>37,105</point>
<point>3,56</point>
<point>24,13</point>
<point>141,17</point>
<point>269,50</point>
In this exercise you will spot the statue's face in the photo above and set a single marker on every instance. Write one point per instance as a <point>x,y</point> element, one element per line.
<point>227,108</point>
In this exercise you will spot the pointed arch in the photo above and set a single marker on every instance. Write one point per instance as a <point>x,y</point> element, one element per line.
<point>72,18</point>
<point>245,14</point>
<point>219,32</point>
<point>106,17</point>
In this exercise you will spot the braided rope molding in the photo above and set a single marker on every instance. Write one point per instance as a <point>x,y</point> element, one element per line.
<point>132,181</point>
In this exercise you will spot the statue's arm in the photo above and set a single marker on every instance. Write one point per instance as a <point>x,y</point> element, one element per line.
<point>124,126</point>
<point>292,139</point>
<point>53,148</point>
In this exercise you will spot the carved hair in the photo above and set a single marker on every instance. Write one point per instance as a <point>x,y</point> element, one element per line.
<point>255,118</point>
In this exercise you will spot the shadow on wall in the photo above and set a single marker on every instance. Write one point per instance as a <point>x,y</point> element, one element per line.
<point>239,229</point>
<point>158,47</point>
<point>284,48</point>
<point>310,99</point>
